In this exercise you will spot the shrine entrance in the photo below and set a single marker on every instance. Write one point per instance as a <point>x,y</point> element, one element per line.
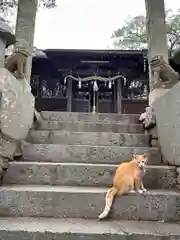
<point>85,99</point>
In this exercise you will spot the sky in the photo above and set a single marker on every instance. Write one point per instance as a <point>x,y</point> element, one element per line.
<point>86,24</point>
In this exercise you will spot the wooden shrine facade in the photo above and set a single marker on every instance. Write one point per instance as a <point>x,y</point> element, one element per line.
<point>54,91</point>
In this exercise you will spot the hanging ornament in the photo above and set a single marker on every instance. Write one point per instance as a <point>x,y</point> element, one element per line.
<point>144,65</point>
<point>95,87</point>
<point>105,83</point>
<point>110,85</point>
<point>79,84</point>
<point>64,80</point>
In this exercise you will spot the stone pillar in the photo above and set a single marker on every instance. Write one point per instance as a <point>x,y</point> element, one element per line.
<point>119,97</point>
<point>69,95</point>
<point>157,41</point>
<point>25,26</point>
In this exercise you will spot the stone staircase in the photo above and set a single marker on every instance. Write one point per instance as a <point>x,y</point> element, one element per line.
<point>57,190</point>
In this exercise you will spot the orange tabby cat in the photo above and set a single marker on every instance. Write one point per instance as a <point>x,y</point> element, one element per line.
<point>128,175</point>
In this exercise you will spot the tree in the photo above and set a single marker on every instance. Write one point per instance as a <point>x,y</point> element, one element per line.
<point>133,35</point>
<point>6,5</point>
<point>8,9</point>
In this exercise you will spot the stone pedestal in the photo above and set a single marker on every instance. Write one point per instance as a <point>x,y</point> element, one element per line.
<point>17,104</point>
<point>156,93</point>
<point>7,145</point>
<point>167,111</point>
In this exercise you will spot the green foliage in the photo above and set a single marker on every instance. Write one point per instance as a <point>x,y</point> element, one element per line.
<point>133,35</point>
<point>6,5</point>
<point>8,9</point>
<point>47,3</point>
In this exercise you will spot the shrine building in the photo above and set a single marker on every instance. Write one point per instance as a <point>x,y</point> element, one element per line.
<point>103,81</point>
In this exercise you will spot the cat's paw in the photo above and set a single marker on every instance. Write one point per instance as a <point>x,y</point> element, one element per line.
<point>132,191</point>
<point>144,190</point>
<point>140,191</point>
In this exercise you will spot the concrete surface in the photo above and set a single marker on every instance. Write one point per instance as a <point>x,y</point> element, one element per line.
<point>75,229</point>
<point>88,138</point>
<point>81,126</point>
<point>86,202</point>
<point>86,153</point>
<point>90,117</point>
<point>80,174</point>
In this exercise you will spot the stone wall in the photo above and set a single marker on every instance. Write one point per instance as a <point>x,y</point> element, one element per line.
<point>16,115</point>
<point>167,111</point>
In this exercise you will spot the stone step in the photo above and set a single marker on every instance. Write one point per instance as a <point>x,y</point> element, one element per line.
<point>90,117</point>
<point>89,127</point>
<point>86,202</point>
<point>75,229</point>
<point>86,153</point>
<point>80,174</point>
<point>88,138</point>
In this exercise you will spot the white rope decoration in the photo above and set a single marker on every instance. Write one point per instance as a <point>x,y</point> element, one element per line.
<point>95,78</point>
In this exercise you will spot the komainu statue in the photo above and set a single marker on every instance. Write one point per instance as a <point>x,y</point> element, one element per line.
<point>165,76</point>
<point>16,63</point>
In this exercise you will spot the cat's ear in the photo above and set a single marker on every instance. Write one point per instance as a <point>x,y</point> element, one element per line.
<point>134,156</point>
<point>145,156</point>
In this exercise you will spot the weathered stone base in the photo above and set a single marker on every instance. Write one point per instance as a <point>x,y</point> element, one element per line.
<point>8,146</point>
<point>7,149</point>
<point>16,116</point>
<point>156,93</point>
<point>167,111</point>
<point>75,229</point>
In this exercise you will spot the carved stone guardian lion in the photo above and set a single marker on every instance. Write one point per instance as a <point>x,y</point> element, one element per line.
<point>16,63</point>
<point>163,75</point>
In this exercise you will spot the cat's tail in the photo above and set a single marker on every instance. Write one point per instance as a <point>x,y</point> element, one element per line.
<point>108,202</point>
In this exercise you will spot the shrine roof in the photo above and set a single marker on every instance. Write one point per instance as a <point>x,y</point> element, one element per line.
<point>80,52</point>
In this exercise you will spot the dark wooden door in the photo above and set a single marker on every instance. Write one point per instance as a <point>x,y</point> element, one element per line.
<point>81,97</point>
<point>105,98</point>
